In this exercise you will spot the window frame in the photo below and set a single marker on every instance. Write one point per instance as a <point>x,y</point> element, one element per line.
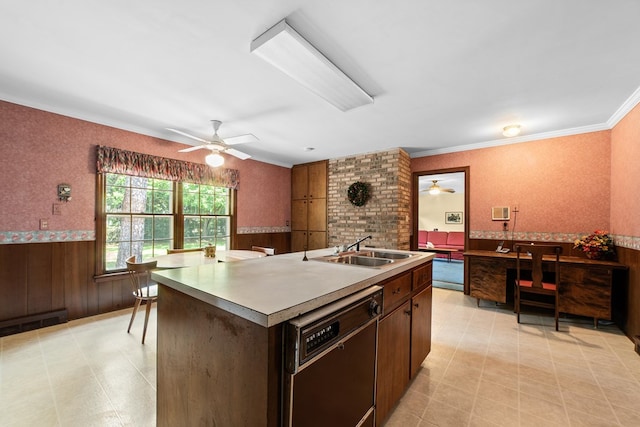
<point>178,222</point>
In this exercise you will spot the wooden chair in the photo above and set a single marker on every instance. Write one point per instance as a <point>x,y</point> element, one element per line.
<point>268,251</point>
<point>143,288</point>
<point>178,251</point>
<point>538,291</point>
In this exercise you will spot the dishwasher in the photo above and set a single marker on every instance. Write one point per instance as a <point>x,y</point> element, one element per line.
<point>330,363</point>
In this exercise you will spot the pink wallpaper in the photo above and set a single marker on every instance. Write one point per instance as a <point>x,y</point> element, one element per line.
<point>39,150</point>
<point>560,185</point>
<point>625,175</point>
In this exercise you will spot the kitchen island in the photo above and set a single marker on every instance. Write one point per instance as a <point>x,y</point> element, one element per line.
<point>220,329</point>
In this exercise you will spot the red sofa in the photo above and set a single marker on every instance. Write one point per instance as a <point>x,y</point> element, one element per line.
<point>444,240</point>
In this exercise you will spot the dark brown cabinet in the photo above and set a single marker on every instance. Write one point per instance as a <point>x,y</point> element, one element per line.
<point>394,342</point>
<point>309,206</point>
<point>404,335</point>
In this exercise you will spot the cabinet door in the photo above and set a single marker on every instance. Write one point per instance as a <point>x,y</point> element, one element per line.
<point>420,328</point>
<point>317,174</point>
<point>299,215</point>
<point>317,240</point>
<point>317,214</point>
<point>298,241</point>
<point>488,278</point>
<point>393,360</point>
<point>585,291</point>
<point>299,182</point>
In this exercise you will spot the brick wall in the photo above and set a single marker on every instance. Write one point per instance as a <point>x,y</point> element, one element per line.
<point>386,215</point>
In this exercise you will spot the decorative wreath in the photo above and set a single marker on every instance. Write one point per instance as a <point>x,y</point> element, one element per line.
<point>358,193</point>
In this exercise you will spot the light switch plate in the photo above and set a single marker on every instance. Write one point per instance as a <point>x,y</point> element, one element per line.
<point>57,210</point>
<point>44,224</point>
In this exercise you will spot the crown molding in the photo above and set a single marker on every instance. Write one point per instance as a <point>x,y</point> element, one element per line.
<point>515,140</point>
<point>624,109</point>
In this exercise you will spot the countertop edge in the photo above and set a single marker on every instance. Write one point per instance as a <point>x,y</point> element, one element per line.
<point>271,319</point>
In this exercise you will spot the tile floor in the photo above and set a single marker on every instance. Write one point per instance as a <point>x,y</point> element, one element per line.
<point>483,370</point>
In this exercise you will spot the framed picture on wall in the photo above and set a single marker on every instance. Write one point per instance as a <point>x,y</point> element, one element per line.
<point>453,217</point>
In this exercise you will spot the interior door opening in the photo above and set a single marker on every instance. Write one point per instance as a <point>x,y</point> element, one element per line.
<point>440,226</point>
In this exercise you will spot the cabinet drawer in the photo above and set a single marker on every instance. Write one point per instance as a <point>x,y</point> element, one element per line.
<point>422,276</point>
<point>395,291</point>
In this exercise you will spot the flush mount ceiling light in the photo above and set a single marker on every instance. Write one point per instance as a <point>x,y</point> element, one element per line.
<point>288,51</point>
<point>511,130</point>
<point>214,160</point>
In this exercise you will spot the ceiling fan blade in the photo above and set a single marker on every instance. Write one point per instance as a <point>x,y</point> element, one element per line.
<point>188,135</point>
<point>448,190</point>
<point>241,139</point>
<point>197,147</point>
<point>236,153</point>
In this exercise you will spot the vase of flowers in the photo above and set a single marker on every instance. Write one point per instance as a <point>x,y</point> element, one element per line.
<point>597,245</point>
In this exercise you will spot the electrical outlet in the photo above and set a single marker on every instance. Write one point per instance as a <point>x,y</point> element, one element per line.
<point>286,223</point>
<point>44,224</point>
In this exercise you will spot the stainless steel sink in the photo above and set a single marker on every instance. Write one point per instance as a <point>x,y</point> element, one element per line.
<point>385,255</point>
<point>366,261</point>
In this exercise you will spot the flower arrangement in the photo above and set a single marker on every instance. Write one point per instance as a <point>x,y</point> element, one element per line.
<point>596,245</point>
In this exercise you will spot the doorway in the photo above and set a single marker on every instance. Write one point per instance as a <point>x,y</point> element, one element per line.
<point>440,211</point>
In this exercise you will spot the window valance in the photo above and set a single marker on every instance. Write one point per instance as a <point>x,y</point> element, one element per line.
<point>115,160</point>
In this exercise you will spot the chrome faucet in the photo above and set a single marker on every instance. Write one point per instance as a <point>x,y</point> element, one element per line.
<point>357,243</point>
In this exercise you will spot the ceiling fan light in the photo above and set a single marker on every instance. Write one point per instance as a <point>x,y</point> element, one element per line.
<point>511,130</point>
<point>214,160</point>
<point>434,190</point>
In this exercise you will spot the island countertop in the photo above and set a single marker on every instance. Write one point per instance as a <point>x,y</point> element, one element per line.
<point>274,289</point>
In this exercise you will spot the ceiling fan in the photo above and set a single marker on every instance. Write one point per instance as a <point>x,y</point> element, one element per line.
<point>436,189</point>
<point>217,145</point>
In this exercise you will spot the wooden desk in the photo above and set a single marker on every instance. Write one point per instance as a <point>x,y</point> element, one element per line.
<point>587,287</point>
<point>190,259</point>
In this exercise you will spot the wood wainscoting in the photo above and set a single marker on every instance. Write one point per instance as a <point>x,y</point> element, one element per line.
<point>281,242</point>
<point>37,278</point>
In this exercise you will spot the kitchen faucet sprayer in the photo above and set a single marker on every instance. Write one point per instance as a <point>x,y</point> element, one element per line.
<point>357,243</point>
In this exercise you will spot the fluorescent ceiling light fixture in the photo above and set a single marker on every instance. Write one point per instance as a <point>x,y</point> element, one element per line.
<point>214,160</point>
<point>288,51</point>
<point>511,130</point>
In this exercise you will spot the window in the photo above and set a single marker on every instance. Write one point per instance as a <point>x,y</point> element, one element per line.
<point>207,216</point>
<point>146,216</point>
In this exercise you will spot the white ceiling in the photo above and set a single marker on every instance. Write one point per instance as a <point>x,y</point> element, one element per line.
<point>445,75</point>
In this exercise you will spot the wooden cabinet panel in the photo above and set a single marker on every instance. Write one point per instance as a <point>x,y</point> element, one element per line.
<point>316,240</point>
<point>422,276</point>
<point>396,290</point>
<point>299,215</point>
<point>585,291</point>
<point>298,241</point>
<point>309,206</point>
<point>317,215</point>
<point>488,278</point>
<point>394,340</point>
<point>317,173</point>
<point>299,179</point>
<point>420,328</point>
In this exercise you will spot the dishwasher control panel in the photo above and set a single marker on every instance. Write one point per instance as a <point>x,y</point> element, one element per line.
<point>314,333</point>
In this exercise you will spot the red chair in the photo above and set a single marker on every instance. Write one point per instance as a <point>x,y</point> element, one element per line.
<point>532,288</point>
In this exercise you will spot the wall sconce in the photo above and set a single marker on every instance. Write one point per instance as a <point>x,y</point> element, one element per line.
<point>64,192</point>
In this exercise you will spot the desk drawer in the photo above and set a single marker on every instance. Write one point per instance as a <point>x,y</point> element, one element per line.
<point>395,291</point>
